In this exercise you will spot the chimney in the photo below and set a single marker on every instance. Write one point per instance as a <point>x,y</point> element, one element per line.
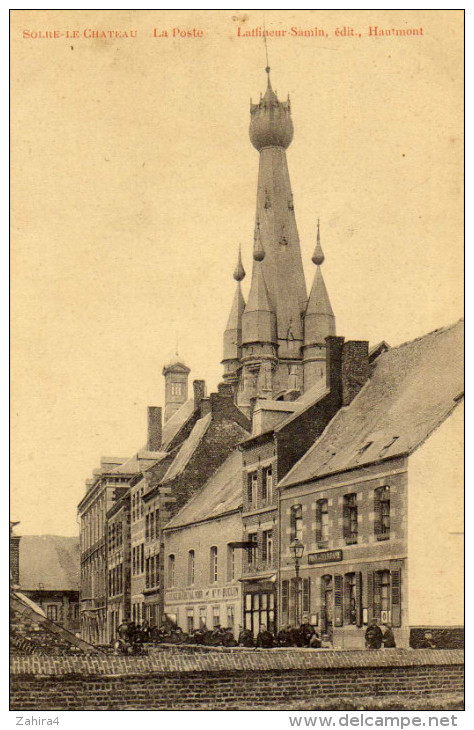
<point>355,368</point>
<point>205,406</point>
<point>154,428</point>
<point>334,347</point>
<point>199,390</point>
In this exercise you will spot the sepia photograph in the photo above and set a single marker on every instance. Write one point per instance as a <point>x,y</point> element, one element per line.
<point>237,357</point>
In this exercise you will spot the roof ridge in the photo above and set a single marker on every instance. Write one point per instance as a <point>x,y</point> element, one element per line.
<point>437,331</point>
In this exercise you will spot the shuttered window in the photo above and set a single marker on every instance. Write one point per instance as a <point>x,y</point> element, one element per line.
<point>353,599</point>
<point>338,600</point>
<point>285,601</point>
<point>306,595</point>
<point>396,616</point>
<point>385,588</point>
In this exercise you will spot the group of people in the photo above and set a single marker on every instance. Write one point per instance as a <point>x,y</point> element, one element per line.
<point>377,636</point>
<point>304,635</point>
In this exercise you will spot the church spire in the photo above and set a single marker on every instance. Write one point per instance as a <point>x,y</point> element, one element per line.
<point>233,331</point>
<point>271,133</point>
<point>319,321</point>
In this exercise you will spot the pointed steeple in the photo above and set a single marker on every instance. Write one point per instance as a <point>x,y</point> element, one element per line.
<point>271,132</point>
<point>319,320</point>
<point>233,331</point>
<point>258,321</point>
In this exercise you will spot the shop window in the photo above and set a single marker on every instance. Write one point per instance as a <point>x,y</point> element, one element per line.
<point>267,484</point>
<point>322,522</point>
<point>267,547</point>
<point>171,570</point>
<point>191,563</point>
<point>296,522</point>
<point>213,564</point>
<point>382,513</point>
<point>252,484</point>
<point>350,517</point>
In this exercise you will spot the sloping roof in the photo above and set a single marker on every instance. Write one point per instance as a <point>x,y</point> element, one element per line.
<point>52,560</point>
<point>411,391</point>
<point>222,493</point>
<point>176,422</point>
<point>188,448</point>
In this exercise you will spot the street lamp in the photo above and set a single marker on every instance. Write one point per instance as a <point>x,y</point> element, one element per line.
<point>297,550</point>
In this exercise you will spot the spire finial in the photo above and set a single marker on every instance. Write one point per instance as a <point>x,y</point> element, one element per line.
<point>267,67</point>
<point>318,256</point>
<point>239,272</point>
<point>258,250</point>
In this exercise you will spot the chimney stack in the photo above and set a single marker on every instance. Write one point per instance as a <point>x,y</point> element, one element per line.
<point>199,390</point>
<point>154,428</point>
<point>355,368</point>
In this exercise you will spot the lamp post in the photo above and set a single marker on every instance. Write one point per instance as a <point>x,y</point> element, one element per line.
<point>297,550</point>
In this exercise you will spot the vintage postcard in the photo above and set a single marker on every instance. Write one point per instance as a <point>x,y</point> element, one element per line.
<point>237,352</point>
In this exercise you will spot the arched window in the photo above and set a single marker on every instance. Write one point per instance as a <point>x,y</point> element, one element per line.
<point>171,571</point>
<point>191,557</point>
<point>213,564</point>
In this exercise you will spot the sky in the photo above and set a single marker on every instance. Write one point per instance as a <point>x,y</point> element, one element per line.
<point>134,183</point>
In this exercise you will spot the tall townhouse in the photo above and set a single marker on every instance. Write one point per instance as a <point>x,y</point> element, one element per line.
<point>377,503</point>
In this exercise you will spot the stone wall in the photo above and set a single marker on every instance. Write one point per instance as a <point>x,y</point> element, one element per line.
<point>175,679</point>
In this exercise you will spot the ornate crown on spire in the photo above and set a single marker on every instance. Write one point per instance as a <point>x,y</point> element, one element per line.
<point>270,120</point>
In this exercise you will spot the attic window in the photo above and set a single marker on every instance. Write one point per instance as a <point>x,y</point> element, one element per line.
<point>365,447</point>
<point>389,445</point>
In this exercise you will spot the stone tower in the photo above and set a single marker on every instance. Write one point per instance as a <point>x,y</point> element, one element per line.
<point>176,386</point>
<point>268,348</point>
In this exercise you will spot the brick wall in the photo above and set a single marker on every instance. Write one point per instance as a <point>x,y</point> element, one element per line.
<point>222,680</point>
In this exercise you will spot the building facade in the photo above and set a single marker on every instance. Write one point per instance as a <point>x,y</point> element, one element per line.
<point>368,498</point>
<point>203,557</point>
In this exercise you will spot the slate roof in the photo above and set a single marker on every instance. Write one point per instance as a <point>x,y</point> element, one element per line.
<point>222,493</point>
<point>52,560</point>
<point>188,448</point>
<point>411,391</point>
<point>176,422</point>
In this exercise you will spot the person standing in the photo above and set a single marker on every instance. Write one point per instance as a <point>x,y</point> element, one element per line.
<point>373,635</point>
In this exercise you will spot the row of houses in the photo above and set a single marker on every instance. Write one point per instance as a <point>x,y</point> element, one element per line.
<point>203,534</point>
<point>322,481</point>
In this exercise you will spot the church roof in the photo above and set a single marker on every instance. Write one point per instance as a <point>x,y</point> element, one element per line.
<point>221,494</point>
<point>412,389</point>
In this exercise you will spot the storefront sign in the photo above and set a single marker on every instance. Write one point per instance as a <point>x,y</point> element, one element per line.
<point>190,594</point>
<point>328,556</point>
